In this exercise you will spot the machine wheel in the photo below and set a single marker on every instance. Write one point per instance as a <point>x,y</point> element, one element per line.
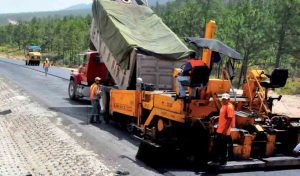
<point>72,90</point>
<point>197,145</point>
<point>130,126</point>
<point>145,152</point>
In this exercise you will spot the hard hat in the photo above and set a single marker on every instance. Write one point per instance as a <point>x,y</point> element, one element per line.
<point>97,79</point>
<point>139,80</point>
<point>47,59</point>
<point>225,96</point>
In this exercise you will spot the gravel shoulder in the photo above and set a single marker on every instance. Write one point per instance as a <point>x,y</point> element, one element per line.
<point>31,143</point>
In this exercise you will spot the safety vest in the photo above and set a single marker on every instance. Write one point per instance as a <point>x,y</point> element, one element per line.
<point>93,91</point>
<point>46,64</point>
<point>195,63</point>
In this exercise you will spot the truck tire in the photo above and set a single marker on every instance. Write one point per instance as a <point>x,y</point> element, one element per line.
<point>72,90</point>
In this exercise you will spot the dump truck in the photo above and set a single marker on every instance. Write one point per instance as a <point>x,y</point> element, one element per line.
<point>32,54</point>
<point>83,78</point>
<point>119,64</point>
<point>142,65</point>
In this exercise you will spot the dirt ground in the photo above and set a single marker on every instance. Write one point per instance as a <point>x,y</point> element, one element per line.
<point>288,105</point>
<point>3,55</point>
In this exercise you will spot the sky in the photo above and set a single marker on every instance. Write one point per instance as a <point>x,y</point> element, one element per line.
<point>17,6</point>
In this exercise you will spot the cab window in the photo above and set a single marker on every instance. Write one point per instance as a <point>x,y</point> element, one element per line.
<point>97,59</point>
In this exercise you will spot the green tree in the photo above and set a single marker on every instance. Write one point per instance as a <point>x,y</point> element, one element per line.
<point>286,29</point>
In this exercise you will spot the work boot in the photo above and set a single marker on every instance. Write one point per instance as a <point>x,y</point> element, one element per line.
<point>213,163</point>
<point>92,120</point>
<point>223,163</point>
<point>98,120</point>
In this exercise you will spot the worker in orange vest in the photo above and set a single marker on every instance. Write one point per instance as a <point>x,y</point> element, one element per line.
<point>95,95</point>
<point>46,66</point>
<point>222,138</point>
<point>186,73</point>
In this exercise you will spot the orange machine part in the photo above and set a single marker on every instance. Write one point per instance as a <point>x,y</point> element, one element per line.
<point>248,139</point>
<point>244,121</point>
<point>209,34</point>
<point>235,134</point>
<point>126,102</point>
<point>246,152</point>
<point>237,151</point>
<point>271,138</point>
<point>270,149</point>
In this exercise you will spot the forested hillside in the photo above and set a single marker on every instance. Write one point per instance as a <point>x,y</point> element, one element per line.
<point>75,10</point>
<point>62,38</point>
<point>265,32</point>
<point>21,17</point>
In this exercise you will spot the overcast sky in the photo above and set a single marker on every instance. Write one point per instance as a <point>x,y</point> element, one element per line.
<point>16,6</point>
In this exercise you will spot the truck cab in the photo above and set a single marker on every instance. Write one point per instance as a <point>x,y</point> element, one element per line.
<point>33,55</point>
<point>82,78</point>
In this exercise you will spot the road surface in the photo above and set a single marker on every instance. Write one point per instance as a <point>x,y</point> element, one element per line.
<point>115,147</point>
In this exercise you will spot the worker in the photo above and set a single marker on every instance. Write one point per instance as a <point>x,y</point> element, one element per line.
<point>46,66</point>
<point>95,95</point>
<point>297,150</point>
<point>226,122</point>
<point>186,73</point>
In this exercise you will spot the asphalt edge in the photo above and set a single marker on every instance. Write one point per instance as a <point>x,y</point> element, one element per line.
<point>24,66</point>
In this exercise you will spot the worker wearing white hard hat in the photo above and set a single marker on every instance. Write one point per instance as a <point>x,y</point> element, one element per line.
<point>46,66</point>
<point>226,122</point>
<point>225,96</point>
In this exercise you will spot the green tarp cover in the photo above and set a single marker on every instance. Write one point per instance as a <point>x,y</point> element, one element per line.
<point>124,27</point>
